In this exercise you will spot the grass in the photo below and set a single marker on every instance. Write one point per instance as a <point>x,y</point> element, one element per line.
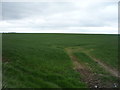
<point>40,61</point>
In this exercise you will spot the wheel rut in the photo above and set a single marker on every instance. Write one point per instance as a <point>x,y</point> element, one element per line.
<point>90,78</point>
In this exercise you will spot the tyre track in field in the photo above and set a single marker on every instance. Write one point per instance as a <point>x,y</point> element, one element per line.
<point>112,71</point>
<point>89,77</point>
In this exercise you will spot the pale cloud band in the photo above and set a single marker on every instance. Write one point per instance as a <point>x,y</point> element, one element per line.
<point>86,16</point>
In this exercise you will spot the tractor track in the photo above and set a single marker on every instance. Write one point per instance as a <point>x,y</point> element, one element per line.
<point>90,78</point>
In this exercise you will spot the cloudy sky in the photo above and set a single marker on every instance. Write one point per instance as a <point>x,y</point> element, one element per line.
<point>83,16</point>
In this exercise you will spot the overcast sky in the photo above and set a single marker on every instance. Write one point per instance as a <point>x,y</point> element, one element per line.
<point>83,16</point>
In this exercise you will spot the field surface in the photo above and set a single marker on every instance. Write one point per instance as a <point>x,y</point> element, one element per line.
<point>60,60</point>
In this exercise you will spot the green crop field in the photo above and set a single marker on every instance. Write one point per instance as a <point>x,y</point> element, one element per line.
<point>59,60</point>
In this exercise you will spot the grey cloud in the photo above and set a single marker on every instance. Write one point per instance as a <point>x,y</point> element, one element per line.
<point>58,15</point>
<point>18,10</point>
